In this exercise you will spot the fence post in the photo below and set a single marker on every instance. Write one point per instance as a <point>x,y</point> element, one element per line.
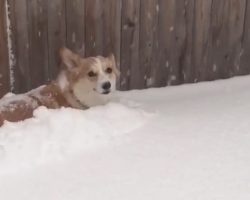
<point>4,59</point>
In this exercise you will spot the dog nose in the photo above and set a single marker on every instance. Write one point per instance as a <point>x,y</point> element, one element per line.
<point>106,85</point>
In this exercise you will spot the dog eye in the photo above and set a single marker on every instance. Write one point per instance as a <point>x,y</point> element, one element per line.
<point>92,74</point>
<point>109,70</point>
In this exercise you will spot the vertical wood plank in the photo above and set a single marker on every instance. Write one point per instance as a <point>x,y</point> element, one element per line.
<point>94,29</point>
<point>182,43</point>
<point>130,44</point>
<point>75,31</point>
<point>4,64</point>
<point>245,44</point>
<point>112,27</point>
<point>167,39</point>
<point>38,36</point>
<point>201,41</point>
<point>56,34</point>
<point>112,30</point>
<point>187,68</point>
<point>11,43</point>
<point>227,29</point>
<point>147,46</point>
<point>165,27</point>
<point>175,42</point>
<point>20,45</point>
<point>236,30</point>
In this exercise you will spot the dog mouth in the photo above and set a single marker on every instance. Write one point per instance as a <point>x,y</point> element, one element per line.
<point>104,92</point>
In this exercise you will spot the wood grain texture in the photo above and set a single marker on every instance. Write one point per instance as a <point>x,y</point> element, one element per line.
<point>182,44</point>
<point>165,27</point>
<point>95,30</point>
<point>112,30</point>
<point>38,41</point>
<point>175,35</point>
<point>245,44</point>
<point>188,72</point>
<point>4,64</point>
<point>226,31</point>
<point>112,27</point>
<point>75,24</point>
<point>147,43</point>
<point>56,34</point>
<point>201,41</point>
<point>130,44</point>
<point>20,45</point>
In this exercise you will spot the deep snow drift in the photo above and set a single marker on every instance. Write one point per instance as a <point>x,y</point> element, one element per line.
<point>185,142</point>
<point>54,134</point>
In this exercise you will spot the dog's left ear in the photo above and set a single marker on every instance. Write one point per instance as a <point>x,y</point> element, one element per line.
<point>111,57</point>
<point>70,59</point>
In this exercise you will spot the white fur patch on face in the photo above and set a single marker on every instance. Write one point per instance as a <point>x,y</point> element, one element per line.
<point>87,96</point>
<point>103,78</point>
<point>63,81</point>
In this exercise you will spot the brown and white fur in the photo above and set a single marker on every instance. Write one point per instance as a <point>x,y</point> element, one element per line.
<point>83,83</point>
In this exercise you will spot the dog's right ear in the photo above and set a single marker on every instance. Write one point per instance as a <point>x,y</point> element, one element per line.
<point>111,58</point>
<point>70,59</point>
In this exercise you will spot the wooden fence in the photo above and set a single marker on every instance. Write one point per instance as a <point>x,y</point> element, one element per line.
<point>156,42</point>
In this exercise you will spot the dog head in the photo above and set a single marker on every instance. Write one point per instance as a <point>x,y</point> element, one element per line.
<point>88,76</point>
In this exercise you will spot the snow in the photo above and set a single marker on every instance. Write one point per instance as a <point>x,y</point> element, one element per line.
<point>54,134</point>
<point>182,142</point>
<point>9,100</point>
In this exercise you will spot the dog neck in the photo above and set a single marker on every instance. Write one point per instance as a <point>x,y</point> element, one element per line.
<point>74,101</point>
<point>88,96</point>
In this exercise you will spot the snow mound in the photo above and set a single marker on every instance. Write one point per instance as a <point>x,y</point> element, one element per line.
<point>54,134</point>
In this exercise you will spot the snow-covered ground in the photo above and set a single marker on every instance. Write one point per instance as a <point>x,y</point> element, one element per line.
<point>188,142</point>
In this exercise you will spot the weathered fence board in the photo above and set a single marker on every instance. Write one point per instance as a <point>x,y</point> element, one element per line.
<point>181,43</point>
<point>155,42</point>
<point>163,63</point>
<point>56,34</point>
<point>148,35</point>
<point>95,30</point>
<point>75,11</point>
<point>226,32</point>
<point>201,41</point>
<point>20,45</point>
<point>111,27</point>
<point>130,44</point>
<point>245,43</point>
<point>236,31</point>
<point>4,69</point>
<point>187,70</point>
<point>38,41</point>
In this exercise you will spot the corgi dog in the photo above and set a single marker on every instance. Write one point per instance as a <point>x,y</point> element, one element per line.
<point>82,83</point>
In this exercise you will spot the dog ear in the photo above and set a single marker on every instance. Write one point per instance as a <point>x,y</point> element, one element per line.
<point>81,52</point>
<point>111,57</point>
<point>70,59</point>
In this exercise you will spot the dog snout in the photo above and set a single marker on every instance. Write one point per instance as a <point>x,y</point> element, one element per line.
<point>106,85</point>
